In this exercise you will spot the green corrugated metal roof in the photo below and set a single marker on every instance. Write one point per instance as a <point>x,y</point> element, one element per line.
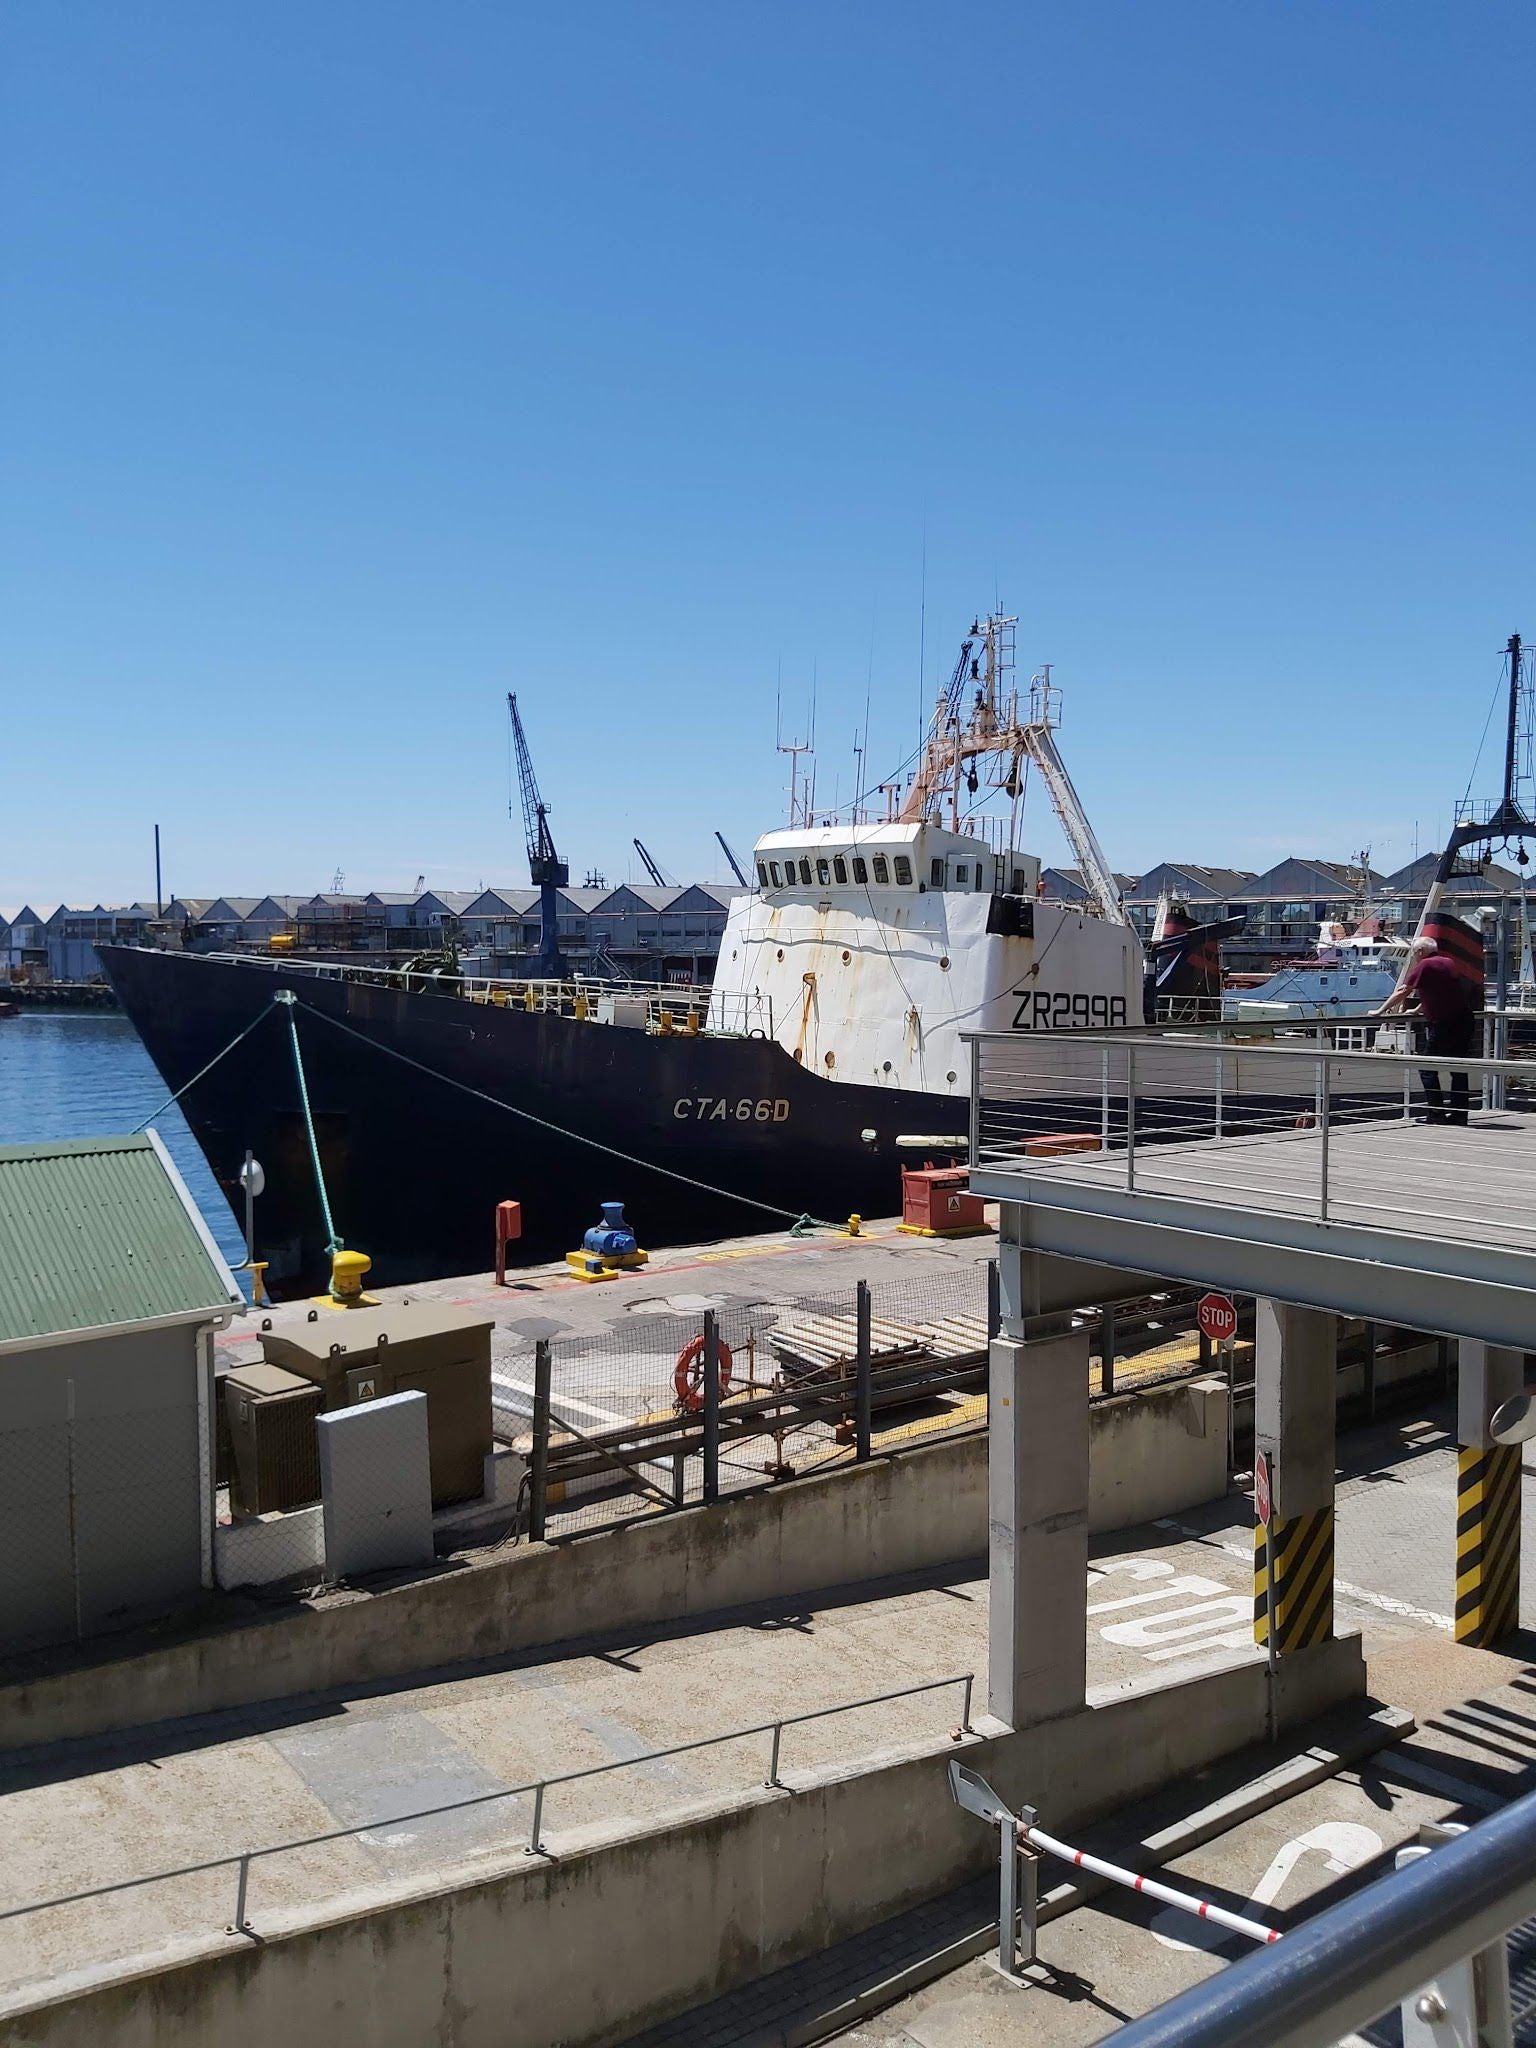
<point>100,1231</point>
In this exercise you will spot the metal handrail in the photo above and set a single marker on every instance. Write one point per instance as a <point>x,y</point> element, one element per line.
<point>241,1860</point>
<point>543,994</point>
<point>1206,1040</point>
<point>1343,1968</point>
<point>1181,1102</point>
<point>361,968</point>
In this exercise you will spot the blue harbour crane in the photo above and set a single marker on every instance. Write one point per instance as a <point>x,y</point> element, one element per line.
<point>735,863</point>
<point>653,868</point>
<point>546,870</point>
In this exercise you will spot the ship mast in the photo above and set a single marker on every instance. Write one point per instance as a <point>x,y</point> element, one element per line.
<point>800,807</point>
<point>991,727</point>
<point>1508,819</point>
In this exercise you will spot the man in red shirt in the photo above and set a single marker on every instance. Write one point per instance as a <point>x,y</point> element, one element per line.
<point>1447,1003</point>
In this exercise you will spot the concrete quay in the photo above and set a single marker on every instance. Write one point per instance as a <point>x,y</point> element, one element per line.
<point>922,1978</point>
<point>85,1815</point>
<point>1161,1603</point>
<point>688,1872</point>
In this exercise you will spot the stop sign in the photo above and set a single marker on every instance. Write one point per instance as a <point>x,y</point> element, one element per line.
<point>1217,1317</point>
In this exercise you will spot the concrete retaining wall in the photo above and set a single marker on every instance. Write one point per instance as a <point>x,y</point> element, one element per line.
<point>1155,1453</point>
<point>1152,1454</point>
<point>610,1937</point>
<point>269,1548</point>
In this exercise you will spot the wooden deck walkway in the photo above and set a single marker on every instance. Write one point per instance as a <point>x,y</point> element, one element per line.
<point>1474,1184</point>
<point>1427,1225</point>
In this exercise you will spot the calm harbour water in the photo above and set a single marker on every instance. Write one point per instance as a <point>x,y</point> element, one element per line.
<point>85,1074</point>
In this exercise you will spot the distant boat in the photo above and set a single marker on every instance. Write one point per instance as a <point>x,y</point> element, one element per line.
<point>1349,975</point>
<point>1183,984</point>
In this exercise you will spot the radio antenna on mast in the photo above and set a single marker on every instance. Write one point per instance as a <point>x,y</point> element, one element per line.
<point>800,805</point>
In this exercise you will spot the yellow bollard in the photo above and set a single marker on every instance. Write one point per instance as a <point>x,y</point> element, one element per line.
<point>347,1270</point>
<point>855,1225</point>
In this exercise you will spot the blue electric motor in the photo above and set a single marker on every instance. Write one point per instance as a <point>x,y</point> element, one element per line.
<point>612,1238</point>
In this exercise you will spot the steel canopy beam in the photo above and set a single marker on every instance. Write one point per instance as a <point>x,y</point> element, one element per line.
<point>1379,1275</point>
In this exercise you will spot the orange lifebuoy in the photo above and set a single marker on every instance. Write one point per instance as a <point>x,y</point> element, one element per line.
<point>688,1378</point>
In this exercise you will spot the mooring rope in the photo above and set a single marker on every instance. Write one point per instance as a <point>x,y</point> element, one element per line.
<point>171,1100</point>
<point>291,1003</point>
<point>800,1224</point>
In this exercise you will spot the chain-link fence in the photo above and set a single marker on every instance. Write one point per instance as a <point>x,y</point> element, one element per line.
<point>685,1405</point>
<point>107,1520</point>
<point>104,1516</point>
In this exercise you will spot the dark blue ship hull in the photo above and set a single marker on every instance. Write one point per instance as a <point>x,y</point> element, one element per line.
<point>723,1135</point>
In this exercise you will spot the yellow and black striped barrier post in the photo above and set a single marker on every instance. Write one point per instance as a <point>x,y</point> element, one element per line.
<point>1487,1494</point>
<point>1295,1376</point>
<point>1303,1581</point>
<point>1487,1543</point>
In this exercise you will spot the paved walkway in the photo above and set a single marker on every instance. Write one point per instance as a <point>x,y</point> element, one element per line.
<point>93,1813</point>
<point>1159,1601</point>
<point>1113,1960</point>
<point>1475,1749</point>
<point>1116,1958</point>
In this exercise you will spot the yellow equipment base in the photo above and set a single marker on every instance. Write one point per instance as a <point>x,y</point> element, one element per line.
<point>593,1266</point>
<point>963,1230</point>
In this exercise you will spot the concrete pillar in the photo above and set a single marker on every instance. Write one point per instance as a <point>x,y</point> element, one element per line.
<point>1487,1495</point>
<point>1296,1358</point>
<point>1037,1527</point>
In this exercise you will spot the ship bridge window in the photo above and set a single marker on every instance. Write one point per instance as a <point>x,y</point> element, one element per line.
<point>936,874</point>
<point>805,873</point>
<point>903,871</point>
<point>839,867</point>
<point>773,869</point>
<point>963,874</point>
<point>882,871</point>
<point>981,881</point>
<point>861,870</point>
<point>762,874</point>
<point>823,873</point>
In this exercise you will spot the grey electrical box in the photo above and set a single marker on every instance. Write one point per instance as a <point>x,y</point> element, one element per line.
<point>274,1456</point>
<point>358,1355</point>
<point>374,1486</point>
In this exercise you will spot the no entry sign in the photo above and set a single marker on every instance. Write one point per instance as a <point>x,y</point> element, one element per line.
<point>1262,1503</point>
<point>1217,1317</point>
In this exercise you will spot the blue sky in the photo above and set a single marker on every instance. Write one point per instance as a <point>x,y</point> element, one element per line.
<point>359,363</point>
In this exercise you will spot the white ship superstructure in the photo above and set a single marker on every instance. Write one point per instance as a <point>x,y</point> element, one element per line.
<point>869,948</point>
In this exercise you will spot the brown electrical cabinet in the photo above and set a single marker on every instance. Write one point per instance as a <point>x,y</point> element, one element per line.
<point>274,1458</point>
<point>419,1346</point>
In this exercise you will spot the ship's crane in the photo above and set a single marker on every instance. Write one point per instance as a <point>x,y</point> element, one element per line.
<point>653,868</point>
<point>992,726</point>
<point>546,870</point>
<point>1039,739</point>
<point>735,863</point>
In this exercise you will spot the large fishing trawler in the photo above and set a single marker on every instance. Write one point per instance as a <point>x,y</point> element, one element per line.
<point>847,980</point>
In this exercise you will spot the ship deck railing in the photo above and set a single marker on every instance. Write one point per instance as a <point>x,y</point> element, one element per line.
<point>683,1009</point>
